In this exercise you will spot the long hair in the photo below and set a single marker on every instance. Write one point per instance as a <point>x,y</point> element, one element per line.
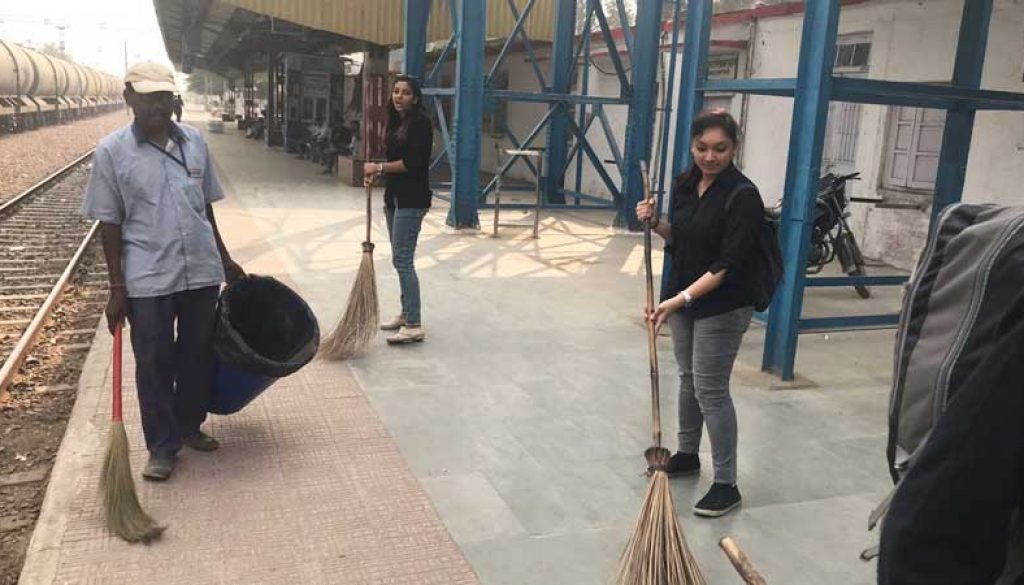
<point>398,127</point>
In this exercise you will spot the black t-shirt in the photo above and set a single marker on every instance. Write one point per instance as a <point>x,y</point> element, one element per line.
<point>410,189</point>
<point>707,239</point>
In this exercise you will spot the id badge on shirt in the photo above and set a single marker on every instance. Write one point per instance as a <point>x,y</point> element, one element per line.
<point>195,173</point>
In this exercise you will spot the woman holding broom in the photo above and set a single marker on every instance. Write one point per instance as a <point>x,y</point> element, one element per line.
<point>711,231</point>
<point>410,138</point>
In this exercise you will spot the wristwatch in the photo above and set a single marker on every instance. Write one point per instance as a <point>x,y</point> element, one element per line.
<point>380,168</point>
<point>687,298</point>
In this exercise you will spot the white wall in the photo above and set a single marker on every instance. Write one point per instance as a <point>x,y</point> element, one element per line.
<point>911,41</point>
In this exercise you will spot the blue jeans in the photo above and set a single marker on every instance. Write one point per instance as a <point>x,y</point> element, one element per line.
<point>404,230</point>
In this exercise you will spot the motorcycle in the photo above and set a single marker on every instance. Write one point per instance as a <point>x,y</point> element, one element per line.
<point>831,236</point>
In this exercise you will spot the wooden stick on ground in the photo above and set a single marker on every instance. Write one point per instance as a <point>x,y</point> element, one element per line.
<point>740,562</point>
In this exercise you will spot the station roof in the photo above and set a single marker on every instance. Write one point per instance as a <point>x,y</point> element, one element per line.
<point>382,21</point>
<point>225,36</point>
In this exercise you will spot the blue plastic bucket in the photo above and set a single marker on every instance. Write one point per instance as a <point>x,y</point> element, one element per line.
<point>235,388</point>
<point>264,332</point>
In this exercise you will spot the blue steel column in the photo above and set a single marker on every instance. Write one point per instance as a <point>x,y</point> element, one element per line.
<point>469,108</point>
<point>558,129</point>
<point>691,97</point>
<point>806,139</point>
<point>696,44</point>
<point>666,115</point>
<point>417,13</point>
<point>640,127</point>
<point>956,138</point>
<point>584,90</point>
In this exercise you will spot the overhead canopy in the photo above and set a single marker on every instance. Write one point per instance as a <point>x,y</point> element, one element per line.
<point>382,21</point>
<point>222,38</point>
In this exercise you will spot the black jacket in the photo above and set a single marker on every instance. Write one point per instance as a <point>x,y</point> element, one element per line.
<point>707,239</point>
<point>410,189</point>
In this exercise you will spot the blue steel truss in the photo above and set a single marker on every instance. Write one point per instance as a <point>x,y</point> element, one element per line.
<point>812,90</point>
<point>569,115</point>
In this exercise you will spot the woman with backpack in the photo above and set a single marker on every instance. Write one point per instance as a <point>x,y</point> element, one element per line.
<point>711,232</point>
<point>407,195</point>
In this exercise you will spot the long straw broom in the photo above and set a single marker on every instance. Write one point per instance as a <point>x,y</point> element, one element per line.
<point>125,517</point>
<point>657,553</point>
<point>358,324</point>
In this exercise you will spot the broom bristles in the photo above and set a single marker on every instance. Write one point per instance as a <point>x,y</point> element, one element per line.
<point>657,553</point>
<point>358,324</point>
<point>125,517</point>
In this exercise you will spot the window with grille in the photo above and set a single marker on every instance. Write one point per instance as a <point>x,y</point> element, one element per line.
<point>912,152</point>
<point>853,55</point>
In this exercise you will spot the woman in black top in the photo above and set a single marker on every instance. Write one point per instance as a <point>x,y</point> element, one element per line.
<point>410,138</point>
<point>710,230</point>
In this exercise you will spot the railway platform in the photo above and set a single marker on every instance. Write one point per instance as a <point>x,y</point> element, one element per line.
<point>505,450</point>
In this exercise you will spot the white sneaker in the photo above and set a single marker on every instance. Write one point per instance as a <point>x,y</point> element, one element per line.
<point>407,335</point>
<point>394,324</point>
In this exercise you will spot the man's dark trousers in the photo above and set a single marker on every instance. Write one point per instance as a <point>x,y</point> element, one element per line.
<point>173,375</point>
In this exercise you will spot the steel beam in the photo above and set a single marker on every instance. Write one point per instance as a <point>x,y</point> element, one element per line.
<point>469,108</point>
<point>417,13</point>
<point>583,51</point>
<point>691,95</point>
<point>595,160</point>
<point>830,281</point>
<point>627,35</point>
<point>545,97</point>
<point>779,87</point>
<point>692,79</point>
<point>881,92</point>
<point>531,54</point>
<point>666,114</point>
<point>855,323</point>
<point>640,128</point>
<point>439,64</point>
<point>956,137</point>
<point>558,130</point>
<point>613,50</point>
<point>807,137</point>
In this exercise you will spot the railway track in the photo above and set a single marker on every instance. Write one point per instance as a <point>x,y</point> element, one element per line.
<point>43,243</point>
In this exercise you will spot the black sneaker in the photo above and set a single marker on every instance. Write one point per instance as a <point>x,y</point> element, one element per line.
<point>721,499</point>
<point>683,464</point>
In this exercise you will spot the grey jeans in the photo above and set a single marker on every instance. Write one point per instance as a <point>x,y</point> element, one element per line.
<point>705,350</point>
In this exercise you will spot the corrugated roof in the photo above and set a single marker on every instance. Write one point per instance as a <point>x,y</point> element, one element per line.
<point>381,21</point>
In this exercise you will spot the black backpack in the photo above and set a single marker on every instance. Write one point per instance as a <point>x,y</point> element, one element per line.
<point>766,268</point>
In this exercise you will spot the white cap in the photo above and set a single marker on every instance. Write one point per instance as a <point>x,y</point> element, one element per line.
<point>149,77</point>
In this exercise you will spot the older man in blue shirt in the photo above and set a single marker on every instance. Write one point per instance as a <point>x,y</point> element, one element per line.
<point>152,187</point>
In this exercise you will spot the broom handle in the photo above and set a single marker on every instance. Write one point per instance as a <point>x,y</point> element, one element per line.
<point>369,209</point>
<point>116,412</point>
<point>741,563</point>
<point>652,335</point>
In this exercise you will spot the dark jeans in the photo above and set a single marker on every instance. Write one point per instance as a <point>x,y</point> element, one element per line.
<point>173,373</point>
<point>404,231</point>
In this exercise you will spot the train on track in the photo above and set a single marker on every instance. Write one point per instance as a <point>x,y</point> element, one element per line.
<point>38,90</point>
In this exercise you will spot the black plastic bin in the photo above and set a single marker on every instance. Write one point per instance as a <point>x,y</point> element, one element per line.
<point>264,332</point>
